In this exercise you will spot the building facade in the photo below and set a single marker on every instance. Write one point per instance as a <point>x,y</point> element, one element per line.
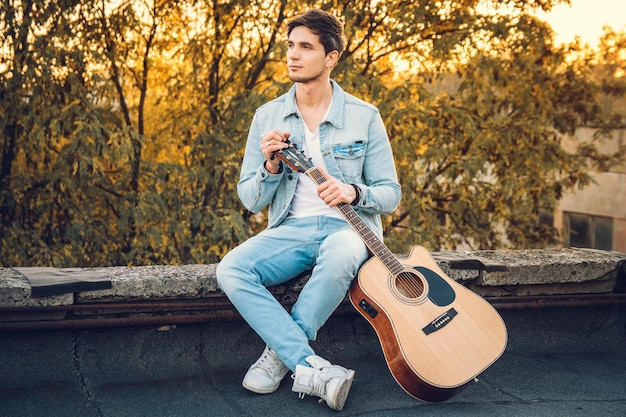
<point>595,217</point>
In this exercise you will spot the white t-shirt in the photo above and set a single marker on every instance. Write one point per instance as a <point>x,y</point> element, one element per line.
<point>306,202</point>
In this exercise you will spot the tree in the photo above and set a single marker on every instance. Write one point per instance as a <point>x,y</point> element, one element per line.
<point>479,150</point>
<point>124,122</point>
<point>52,132</point>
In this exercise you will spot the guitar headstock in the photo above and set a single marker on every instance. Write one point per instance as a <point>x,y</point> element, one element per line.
<point>295,158</point>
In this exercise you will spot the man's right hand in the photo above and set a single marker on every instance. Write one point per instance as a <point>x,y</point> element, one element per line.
<point>272,142</point>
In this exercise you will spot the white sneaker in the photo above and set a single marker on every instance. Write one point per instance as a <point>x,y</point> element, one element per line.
<point>329,382</point>
<point>264,376</point>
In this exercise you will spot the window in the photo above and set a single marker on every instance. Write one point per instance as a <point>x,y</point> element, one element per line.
<point>587,231</point>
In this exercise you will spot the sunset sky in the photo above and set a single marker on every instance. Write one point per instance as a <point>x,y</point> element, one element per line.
<point>586,18</point>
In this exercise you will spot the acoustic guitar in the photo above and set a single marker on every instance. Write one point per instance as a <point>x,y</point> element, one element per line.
<point>437,336</point>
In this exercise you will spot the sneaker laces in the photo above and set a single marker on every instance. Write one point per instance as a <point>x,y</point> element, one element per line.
<point>268,362</point>
<point>321,378</point>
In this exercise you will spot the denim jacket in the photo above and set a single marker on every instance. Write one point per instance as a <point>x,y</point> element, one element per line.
<point>355,148</point>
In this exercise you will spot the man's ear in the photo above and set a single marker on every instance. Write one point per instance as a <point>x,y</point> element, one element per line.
<point>332,58</point>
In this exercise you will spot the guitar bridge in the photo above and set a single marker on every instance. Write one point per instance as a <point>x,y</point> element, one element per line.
<point>440,322</point>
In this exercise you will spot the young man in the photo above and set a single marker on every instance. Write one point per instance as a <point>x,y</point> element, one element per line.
<point>347,141</point>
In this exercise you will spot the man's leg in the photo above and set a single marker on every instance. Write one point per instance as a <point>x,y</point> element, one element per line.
<point>272,257</point>
<point>341,254</point>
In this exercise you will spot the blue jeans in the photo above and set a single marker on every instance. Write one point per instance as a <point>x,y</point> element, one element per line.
<point>327,246</point>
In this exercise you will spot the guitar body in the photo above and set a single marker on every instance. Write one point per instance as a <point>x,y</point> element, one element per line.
<point>436,335</point>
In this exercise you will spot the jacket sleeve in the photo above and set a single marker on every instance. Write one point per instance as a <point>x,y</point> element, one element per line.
<point>256,187</point>
<point>380,192</point>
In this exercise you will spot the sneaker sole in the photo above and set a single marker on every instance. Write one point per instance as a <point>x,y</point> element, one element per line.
<point>341,396</point>
<point>260,390</point>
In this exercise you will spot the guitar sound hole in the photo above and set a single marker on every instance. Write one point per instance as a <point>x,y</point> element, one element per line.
<point>409,286</point>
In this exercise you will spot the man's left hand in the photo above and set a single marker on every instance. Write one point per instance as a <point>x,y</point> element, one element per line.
<point>333,191</point>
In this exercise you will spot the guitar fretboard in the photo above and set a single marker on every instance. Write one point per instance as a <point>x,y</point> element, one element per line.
<point>374,244</point>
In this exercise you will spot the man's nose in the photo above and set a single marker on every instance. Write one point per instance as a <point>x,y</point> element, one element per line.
<point>293,53</point>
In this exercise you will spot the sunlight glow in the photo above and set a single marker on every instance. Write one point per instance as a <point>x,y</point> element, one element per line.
<point>585,19</point>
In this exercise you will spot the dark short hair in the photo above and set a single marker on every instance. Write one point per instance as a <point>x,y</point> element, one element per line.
<point>323,24</point>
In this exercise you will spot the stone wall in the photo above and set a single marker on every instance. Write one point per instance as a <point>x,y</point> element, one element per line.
<point>172,294</point>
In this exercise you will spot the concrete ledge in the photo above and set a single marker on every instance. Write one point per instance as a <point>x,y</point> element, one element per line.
<point>157,294</point>
<point>552,271</point>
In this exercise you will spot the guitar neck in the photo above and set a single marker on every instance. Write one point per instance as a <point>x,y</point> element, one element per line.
<point>373,243</point>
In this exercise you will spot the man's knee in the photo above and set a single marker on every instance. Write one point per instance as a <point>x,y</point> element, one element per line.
<point>346,247</point>
<point>226,273</point>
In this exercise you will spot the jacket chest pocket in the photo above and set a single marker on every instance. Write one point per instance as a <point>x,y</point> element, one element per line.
<point>350,157</point>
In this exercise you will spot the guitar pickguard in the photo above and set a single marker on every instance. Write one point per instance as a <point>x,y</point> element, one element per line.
<point>439,291</point>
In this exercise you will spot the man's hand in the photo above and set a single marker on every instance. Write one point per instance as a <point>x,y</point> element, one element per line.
<point>333,191</point>
<point>272,142</point>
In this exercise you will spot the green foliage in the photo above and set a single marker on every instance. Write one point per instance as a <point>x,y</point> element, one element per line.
<point>123,123</point>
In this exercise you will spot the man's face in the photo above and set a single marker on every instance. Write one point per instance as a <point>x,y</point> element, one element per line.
<point>306,59</point>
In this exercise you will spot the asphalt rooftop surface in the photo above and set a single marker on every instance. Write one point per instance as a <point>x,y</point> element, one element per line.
<point>558,362</point>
